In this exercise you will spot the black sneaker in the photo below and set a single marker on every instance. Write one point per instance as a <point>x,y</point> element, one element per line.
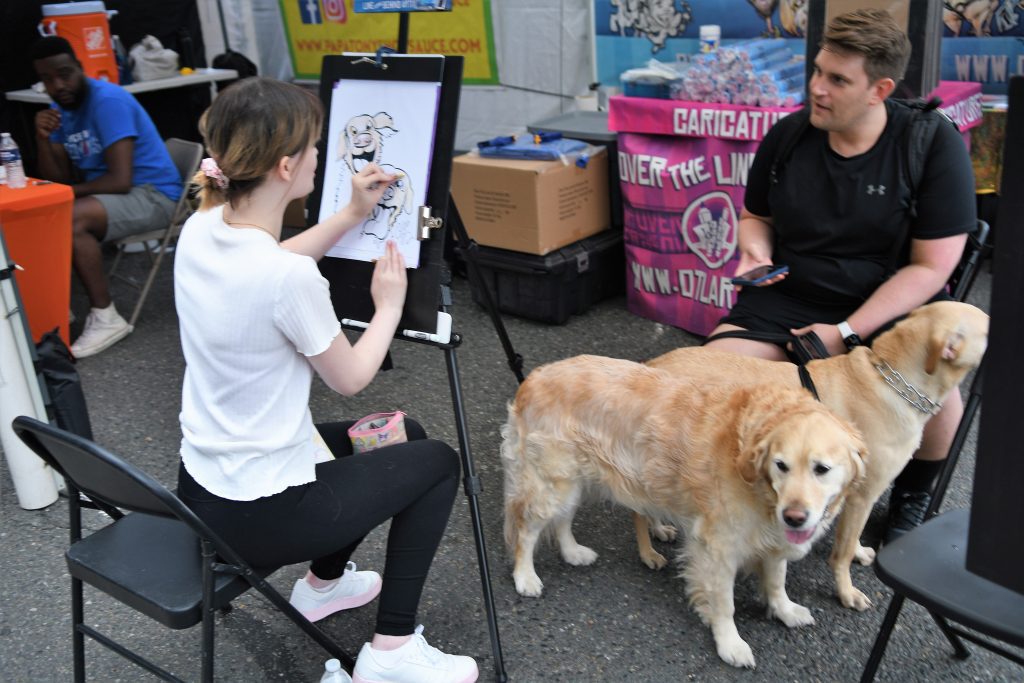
<point>906,511</point>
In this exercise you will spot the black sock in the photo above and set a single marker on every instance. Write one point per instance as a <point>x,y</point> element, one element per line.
<point>919,475</point>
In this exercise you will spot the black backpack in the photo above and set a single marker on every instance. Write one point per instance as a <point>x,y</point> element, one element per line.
<point>917,139</point>
<point>233,60</point>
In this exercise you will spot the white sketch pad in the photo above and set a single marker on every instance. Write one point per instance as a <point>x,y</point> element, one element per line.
<point>406,145</point>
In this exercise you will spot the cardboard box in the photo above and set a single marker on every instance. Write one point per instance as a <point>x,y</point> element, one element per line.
<point>532,207</point>
<point>591,127</point>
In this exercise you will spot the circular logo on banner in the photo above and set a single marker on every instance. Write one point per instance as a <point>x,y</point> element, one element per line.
<point>709,228</point>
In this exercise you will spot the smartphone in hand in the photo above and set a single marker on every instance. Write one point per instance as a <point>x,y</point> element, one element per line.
<point>756,276</point>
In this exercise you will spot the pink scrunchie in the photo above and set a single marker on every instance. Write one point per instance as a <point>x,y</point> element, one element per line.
<point>210,168</point>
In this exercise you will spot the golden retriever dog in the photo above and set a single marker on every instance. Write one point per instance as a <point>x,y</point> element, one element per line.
<point>876,389</point>
<point>752,475</point>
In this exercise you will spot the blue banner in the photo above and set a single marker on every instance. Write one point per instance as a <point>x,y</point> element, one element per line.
<point>983,41</point>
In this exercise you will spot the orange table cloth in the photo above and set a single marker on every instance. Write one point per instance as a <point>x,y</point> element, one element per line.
<point>36,222</point>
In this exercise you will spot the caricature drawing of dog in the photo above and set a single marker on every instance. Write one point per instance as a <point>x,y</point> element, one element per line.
<point>397,199</point>
<point>362,141</point>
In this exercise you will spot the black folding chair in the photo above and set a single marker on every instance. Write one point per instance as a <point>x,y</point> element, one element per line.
<point>927,565</point>
<point>962,279</point>
<point>159,558</point>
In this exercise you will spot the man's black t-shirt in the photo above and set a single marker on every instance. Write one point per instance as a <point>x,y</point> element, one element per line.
<point>839,223</point>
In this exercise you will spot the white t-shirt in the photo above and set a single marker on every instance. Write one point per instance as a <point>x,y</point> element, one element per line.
<point>250,312</point>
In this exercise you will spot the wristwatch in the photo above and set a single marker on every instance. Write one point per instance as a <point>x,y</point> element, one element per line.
<point>850,337</point>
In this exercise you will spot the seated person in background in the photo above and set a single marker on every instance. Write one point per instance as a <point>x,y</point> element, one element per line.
<point>98,139</point>
<point>838,214</point>
<point>256,322</point>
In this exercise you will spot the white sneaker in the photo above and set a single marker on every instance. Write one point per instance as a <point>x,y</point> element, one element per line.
<point>353,589</point>
<point>414,662</point>
<point>104,327</point>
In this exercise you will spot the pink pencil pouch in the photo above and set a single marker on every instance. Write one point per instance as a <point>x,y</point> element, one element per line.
<point>378,430</point>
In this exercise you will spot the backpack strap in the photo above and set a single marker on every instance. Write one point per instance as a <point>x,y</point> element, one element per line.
<point>784,150</point>
<point>917,140</point>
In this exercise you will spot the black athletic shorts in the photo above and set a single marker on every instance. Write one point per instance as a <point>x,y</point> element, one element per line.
<point>765,310</point>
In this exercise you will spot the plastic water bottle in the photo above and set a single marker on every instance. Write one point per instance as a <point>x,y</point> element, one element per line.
<point>333,673</point>
<point>10,156</point>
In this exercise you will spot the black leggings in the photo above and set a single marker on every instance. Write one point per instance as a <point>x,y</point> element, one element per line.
<point>413,484</point>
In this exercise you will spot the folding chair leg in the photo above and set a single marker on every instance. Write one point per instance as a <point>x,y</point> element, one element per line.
<point>882,639</point>
<point>77,638</point>
<point>209,557</point>
<point>116,263</point>
<point>311,629</point>
<point>960,651</point>
<point>144,292</point>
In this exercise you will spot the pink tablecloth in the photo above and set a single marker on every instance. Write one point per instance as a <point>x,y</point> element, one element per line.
<point>683,171</point>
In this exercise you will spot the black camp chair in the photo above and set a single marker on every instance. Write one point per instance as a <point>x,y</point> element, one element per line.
<point>159,558</point>
<point>927,565</point>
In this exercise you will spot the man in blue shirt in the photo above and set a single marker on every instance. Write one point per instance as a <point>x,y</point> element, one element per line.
<point>98,139</point>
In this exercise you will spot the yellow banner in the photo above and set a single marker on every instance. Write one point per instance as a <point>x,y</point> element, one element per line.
<point>315,28</point>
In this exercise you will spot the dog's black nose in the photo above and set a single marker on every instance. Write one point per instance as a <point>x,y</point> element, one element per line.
<point>794,518</point>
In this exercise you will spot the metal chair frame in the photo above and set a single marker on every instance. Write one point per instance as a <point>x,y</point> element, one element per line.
<point>159,538</point>
<point>186,156</point>
<point>952,633</point>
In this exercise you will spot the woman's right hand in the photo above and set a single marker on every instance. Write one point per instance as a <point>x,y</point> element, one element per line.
<point>387,288</point>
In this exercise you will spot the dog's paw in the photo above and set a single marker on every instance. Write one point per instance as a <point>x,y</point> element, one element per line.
<point>736,652</point>
<point>528,585</point>
<point>664,532</point>
<point>794,615</point>
<point>854,599</point>
<point>579,556</point>
<point>864,555</point>
<point>653,559</point>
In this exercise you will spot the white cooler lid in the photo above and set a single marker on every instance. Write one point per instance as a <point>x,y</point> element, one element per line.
<point>69,8</point>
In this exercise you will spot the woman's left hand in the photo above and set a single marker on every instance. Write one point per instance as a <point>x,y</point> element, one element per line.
<point>367,188</point>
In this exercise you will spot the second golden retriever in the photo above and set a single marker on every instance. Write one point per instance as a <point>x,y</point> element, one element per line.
<point>753,475</point>
<point>888,392</point>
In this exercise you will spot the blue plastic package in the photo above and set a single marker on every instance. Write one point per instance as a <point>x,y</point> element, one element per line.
<point>525,148</point>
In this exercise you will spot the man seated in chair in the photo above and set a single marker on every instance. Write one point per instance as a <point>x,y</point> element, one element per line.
<point>863,248</point>
<point>97,138</point>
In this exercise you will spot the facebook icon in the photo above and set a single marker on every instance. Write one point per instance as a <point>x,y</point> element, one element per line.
<point>310,11</point>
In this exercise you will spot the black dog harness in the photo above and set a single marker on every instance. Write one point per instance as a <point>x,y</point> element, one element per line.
<point>798,348</point>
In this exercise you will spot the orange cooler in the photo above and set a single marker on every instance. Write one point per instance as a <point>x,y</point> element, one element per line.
<point>85,26</point>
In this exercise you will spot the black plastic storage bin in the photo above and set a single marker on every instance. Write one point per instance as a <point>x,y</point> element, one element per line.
<point>564,282</point>
<point>591,127</point>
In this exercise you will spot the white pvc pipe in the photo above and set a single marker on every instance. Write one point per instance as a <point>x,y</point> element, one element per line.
<point>34,483</point>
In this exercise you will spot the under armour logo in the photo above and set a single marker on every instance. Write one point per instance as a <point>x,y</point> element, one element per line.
<point>873,189</point>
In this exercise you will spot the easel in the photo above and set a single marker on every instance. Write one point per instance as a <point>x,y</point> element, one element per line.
<point>428,285</point>
<point>468,247</point>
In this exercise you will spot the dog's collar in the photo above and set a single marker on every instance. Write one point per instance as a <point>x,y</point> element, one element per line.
<point>907,391</point>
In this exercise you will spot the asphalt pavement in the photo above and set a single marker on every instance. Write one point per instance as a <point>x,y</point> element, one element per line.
<point>616,620</point>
